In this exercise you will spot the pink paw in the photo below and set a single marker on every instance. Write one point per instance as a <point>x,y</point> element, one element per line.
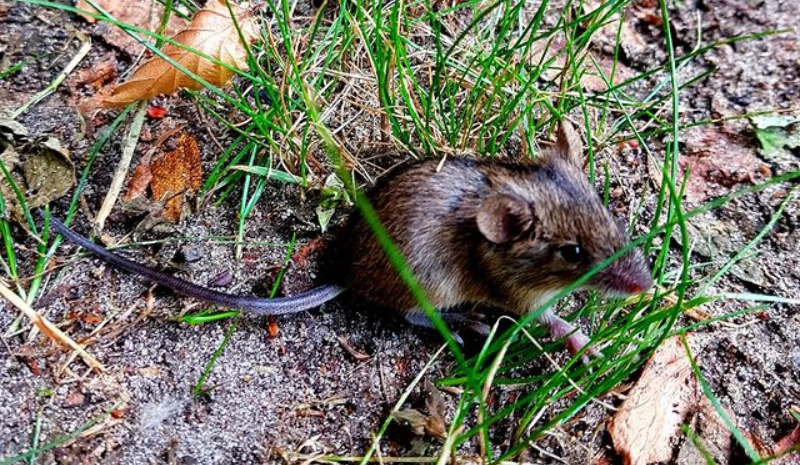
<point>573,336</point>
<point>576,342</point>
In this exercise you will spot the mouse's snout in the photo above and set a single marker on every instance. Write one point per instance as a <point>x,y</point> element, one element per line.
<point>629,275</point>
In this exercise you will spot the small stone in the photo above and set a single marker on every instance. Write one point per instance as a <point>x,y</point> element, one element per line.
<point>191,253</point>
<point>795,356</point>
<point>75,399</point>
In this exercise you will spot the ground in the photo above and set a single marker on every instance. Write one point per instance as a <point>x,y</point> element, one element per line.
<point>326,381</point>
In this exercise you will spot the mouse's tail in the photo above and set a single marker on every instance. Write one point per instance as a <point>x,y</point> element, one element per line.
<point>258,305</point>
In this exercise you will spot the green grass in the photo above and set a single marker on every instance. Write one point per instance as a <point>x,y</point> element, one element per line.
<point>494,87</point>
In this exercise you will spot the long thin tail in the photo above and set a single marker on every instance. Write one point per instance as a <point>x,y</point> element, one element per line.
<point>257,305</point>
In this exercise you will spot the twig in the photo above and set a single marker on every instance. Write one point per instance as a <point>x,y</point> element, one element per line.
<point>121,173</point>
<point>82,52</point>
<point>48,328</point>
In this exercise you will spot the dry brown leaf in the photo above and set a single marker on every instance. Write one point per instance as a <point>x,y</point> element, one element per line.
<point>788,443</point>
<point>646,426</point>
<point>177,173</point>
<point>39,167</point>
<point>145,14</point>
<point>419,423</point>
<point>711,431</point>
<point>431,423</point>
<point>212,32</point>
<point>95,76</point>
<point>139,182</point>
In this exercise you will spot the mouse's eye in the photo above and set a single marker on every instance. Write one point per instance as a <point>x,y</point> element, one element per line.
<point>573,253</point>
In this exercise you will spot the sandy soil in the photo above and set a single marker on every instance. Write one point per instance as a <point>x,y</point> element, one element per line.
<point>326,381</point>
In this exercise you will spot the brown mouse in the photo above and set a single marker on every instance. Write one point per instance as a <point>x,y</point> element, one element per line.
<point>508,233</point>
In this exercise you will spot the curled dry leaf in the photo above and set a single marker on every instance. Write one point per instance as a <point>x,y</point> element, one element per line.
<point>140,180</point>
<point>39,167</point>
<point>212,32</point>
<point>177,173</point>
<point>711,432</point>
<point>430,424</point>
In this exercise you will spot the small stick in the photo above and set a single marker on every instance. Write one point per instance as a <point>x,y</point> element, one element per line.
<point>48,328</point>
<point>124,164</point>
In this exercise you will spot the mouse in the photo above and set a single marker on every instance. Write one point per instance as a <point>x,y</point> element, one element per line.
<point>507,233</point>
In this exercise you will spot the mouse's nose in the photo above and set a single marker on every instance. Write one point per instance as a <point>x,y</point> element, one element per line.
<point>644,283</point>
<point>627,276</point>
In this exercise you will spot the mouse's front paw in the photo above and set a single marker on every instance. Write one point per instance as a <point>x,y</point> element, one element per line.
<point>576,341</point>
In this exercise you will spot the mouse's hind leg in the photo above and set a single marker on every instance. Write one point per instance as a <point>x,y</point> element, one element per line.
<point>454,320</point>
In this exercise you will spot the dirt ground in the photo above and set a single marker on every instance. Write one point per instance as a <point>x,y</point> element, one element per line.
<point>327,380</point>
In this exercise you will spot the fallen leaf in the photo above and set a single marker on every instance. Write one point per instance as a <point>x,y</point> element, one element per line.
<point>790,442</point>
<point>302,254</point>
<point>419,423</point>
<point>140,180</point>
<point>175,174</point>
<point>211,32</point>
<point>95,76</point>
<point>709,430</point>
<point>39,167</point>
<point>431,423</point>
<point>717,161</point>
<point>145,14</point>
<point>645,428</point>
<point>778,135</point>
<point>142,175</point>
<point>151,211</point>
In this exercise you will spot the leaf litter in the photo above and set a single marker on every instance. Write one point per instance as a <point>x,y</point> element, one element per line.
<point>39,166</point>
<point>668,400</point>
<point>212,32</point>
<point>429,422</point>
<point>145,14</point>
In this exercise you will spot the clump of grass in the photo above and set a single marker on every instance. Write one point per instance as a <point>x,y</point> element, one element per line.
<point>490,85</point>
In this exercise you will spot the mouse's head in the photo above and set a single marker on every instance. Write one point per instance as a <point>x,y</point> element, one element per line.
<point>549,227</point>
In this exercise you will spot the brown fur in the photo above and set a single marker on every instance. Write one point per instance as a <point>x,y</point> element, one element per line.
<point>442,223</point>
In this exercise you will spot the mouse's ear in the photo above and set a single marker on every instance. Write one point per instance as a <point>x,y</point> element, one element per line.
<point>502,218</point>
<point>569,145</point>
